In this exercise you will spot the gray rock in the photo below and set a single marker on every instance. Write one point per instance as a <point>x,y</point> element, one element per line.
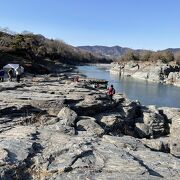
<point>158,72</point>
<point>143,130</point>
<point>51,106</point>
<point>17,142</point>
<point>68,116</point>
<point>113,123</point>
<point>151,124</point>
<point>52,121</point>
<point>173,115</point>
<point>3,156</point>
<point>87,125</point>
<point>160,144</point>
<point>52,150</point>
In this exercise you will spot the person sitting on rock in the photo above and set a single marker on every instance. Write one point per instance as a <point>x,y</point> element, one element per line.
<point>111,92</point>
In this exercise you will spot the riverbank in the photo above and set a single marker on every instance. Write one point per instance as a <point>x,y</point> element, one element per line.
<point>149,71</point>
<point>55,128</point>
<point>148,93</point>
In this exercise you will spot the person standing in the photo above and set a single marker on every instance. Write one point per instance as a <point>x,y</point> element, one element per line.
<point>2,75</point>
<point>111,92</point>
<point>10,74</point>
<point>18,74</point>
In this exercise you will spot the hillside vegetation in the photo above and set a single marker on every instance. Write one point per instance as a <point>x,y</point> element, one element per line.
<point>126,54</point>
<point>166,56</point>
<point>39,54</point>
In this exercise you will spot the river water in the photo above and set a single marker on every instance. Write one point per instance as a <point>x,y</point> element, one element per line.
<point>148,93</point>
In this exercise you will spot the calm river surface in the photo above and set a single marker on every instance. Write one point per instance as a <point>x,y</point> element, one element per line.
<point>146,92</point>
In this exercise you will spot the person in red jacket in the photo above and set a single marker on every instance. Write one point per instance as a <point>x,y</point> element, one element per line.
<point>111,92</point>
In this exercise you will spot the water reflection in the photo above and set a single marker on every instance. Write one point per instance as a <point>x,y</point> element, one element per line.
<point>147,93</point>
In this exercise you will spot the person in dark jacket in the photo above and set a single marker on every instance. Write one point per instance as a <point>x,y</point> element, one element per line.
<point>2,75</point>
<point>10,74</point>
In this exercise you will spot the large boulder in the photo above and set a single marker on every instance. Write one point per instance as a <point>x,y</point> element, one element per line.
<point>151,124</point>
<point>131,110</point>
<point>143,130</point>
<point>113,124</point>
<point>174,135</point>
<point>173,116</point>
<point>89,126</point>
<point>68,116</point>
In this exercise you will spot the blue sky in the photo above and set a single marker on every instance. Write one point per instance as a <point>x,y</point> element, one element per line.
<point>147,24</point>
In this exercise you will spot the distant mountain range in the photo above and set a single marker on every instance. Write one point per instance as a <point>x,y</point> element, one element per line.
<point>115,51</point>
<point>174,50</point>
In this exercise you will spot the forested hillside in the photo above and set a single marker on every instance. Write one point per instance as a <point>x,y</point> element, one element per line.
<point>39,54</point>
<point>165,56</point>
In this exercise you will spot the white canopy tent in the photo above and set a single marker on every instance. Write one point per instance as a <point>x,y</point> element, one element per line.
<point>14,66</point>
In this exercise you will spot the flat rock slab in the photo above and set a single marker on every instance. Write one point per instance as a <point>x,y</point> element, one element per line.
<point>17,142</point>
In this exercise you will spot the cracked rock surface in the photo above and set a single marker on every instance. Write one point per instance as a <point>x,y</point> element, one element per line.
<point>54,128</point>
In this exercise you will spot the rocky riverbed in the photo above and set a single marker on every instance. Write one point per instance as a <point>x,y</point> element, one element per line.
<point>149,71</point>
<point>54,128</point>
